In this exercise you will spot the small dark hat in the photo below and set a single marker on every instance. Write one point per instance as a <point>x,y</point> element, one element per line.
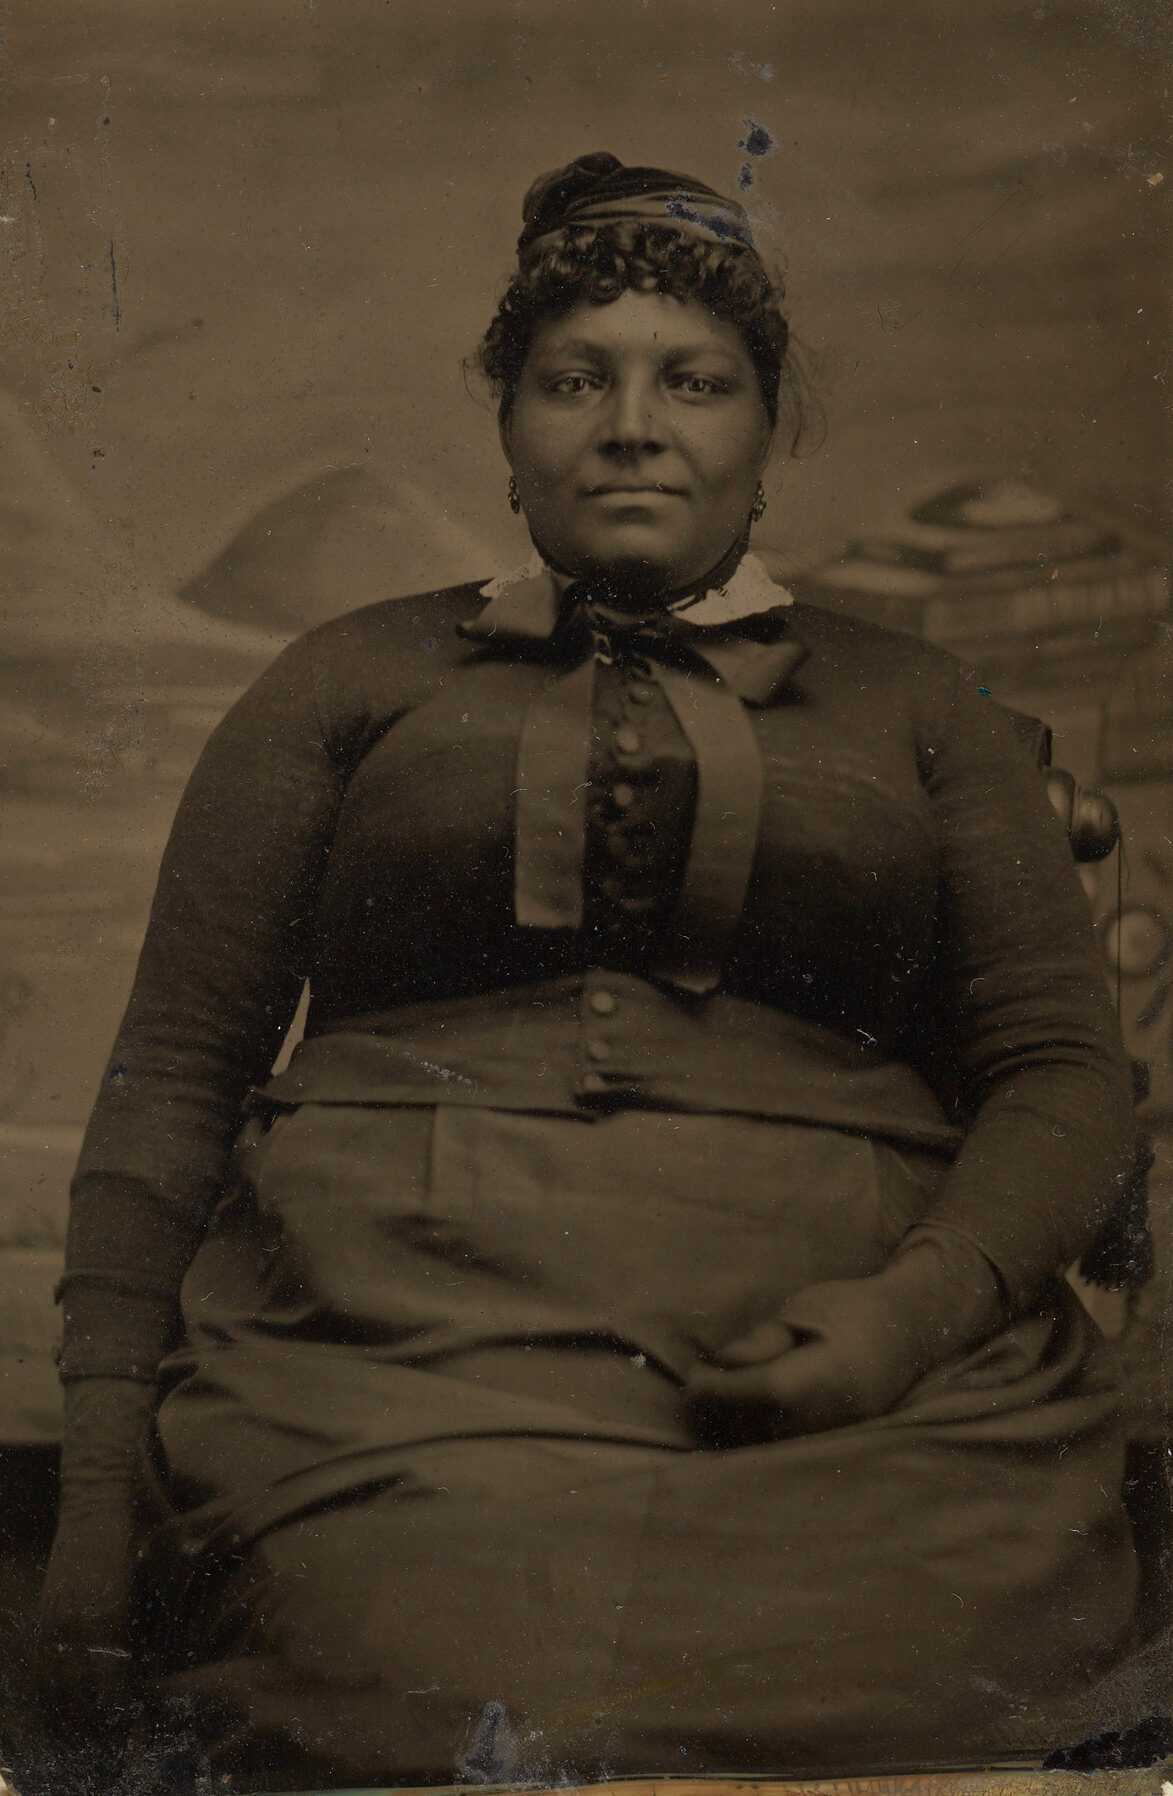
<point>599,189</point>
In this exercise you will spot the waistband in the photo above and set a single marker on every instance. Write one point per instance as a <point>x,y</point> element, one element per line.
<point>586,1043</point>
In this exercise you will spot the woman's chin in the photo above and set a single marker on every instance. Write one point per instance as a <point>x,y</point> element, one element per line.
<point>632,557</point>
<point>641,562</point>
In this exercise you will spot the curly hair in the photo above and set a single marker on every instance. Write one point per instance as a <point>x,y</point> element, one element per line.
<point>594,264</point>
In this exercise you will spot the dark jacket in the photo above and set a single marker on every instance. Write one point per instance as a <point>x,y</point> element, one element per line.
<point>913,955</point>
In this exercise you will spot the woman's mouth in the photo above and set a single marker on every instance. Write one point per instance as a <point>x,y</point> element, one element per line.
<point>647,489</point>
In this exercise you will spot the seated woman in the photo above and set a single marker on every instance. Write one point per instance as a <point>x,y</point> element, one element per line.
<point>630,1337</point>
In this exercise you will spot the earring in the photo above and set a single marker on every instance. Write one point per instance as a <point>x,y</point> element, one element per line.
<point>514,496</point>
<point>758,508</point>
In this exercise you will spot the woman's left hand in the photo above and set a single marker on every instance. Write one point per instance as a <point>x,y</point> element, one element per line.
<point>845,1351</point>
<point>836,1353</point>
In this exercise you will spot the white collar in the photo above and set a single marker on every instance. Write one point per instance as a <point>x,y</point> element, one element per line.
<point>748,591</point>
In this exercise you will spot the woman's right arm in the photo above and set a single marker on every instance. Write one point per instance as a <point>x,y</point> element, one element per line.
<point>225,956</point>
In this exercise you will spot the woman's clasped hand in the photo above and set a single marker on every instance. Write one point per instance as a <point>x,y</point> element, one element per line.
<point>846,1350</point>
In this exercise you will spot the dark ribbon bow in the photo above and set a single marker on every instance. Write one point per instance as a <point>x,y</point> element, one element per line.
<point>708,675</point>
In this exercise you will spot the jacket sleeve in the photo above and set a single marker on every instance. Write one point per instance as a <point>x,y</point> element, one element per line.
<point>1044,1080</point>
<point>221,970</point>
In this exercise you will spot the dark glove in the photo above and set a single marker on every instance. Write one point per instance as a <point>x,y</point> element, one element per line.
<point>850,1349</point>
<point>84,1633</point>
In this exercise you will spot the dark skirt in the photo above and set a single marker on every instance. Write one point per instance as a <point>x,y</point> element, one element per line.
<point>438,1512</point>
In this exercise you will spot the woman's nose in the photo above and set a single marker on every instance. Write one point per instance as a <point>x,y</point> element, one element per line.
<point>635,418</point>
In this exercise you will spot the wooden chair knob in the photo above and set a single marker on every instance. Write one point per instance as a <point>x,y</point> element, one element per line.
<point>1090,818</point>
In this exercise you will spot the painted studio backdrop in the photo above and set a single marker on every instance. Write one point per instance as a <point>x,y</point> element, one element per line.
<point>245,250</point>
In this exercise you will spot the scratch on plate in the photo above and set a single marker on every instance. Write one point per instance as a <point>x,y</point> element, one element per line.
<point>115,302</point>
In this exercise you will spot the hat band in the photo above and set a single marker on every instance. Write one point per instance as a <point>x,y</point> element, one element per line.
<point>692,214</point>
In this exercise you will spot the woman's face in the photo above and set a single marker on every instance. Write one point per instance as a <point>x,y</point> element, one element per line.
<point>637,438</point>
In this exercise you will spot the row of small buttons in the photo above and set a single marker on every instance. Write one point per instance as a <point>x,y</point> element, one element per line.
<point>624,809</point>
<point>628,741</point>
<point>602,1003</point>
<point>627,738</point>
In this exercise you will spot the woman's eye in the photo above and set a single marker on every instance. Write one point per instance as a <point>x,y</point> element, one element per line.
<point>701,385</point>
<point>573,384</point>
